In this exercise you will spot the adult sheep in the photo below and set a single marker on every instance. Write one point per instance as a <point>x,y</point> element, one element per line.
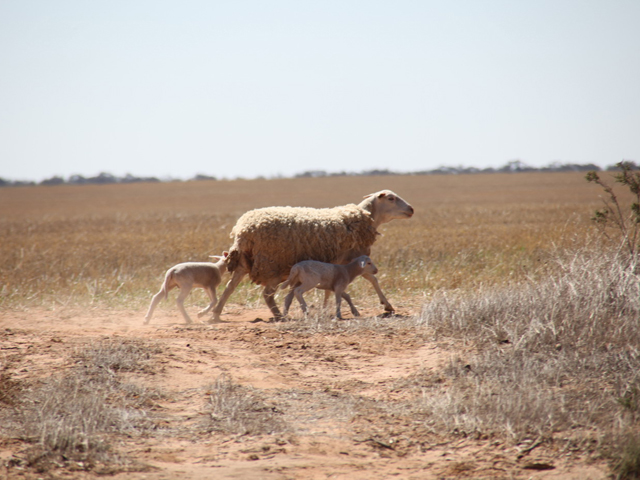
<point>269,241</point>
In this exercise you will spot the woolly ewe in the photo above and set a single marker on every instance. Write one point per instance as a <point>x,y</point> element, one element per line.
<point>269,241</point>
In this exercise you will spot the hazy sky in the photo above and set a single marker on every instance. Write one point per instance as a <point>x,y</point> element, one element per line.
<point>244,88</point>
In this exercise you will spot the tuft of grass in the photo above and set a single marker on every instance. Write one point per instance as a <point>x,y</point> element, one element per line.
<point>10,389</point>
<point>114,355</point>
<point>241,410</point>
<point>626,464</point>
<point>70,419</point>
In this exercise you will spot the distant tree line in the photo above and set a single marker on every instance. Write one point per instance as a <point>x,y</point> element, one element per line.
<point>514,166</point>
<point>101,179</point>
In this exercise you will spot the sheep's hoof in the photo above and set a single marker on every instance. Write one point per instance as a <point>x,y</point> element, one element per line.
<point>216,320</point>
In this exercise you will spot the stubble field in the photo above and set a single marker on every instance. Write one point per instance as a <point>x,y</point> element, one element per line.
<point>513,351</point>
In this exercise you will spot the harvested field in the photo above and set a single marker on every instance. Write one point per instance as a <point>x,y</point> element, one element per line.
<point>512,354</point>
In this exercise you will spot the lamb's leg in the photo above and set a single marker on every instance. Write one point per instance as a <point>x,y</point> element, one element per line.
<point>327,296</point>
<point>212,296</point>
<point>376,286</point>
<point>184,292</point>
<point>298,291</point>
<point>338,302</point>
<point>287,300</point>
<point>154,303</point>
<point>269,293</point>
<point>238,275</point>
<point>354,310</point>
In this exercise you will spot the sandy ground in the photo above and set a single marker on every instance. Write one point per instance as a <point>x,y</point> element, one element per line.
<point>313,380</point>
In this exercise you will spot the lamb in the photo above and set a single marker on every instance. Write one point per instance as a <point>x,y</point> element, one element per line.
<point>187,276</point>
<point>269,241</point>
<point>308,274</point>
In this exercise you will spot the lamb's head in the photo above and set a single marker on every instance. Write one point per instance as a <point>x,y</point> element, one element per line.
<point>221,261</point>
<point>366,265</point>
<point>385,206</point>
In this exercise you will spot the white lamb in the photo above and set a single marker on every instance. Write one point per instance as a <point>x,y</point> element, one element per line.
<point>186,276</point>
<point>308,274</point>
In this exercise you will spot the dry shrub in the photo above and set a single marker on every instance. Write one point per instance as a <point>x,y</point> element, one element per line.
<point>241,410</point>
<point>555,354</point>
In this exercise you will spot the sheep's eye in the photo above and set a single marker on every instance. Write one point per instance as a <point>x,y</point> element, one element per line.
<point>391,198</point>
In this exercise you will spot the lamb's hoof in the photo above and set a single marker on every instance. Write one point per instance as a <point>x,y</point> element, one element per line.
<point>202,314</point>
<point>388,314</point>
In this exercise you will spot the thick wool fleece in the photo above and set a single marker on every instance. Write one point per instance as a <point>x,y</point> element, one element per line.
<point>269,241</point>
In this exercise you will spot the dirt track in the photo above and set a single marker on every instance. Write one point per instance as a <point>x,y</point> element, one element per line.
<point>327,387</point>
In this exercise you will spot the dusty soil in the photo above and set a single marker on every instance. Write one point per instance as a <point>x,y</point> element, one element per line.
<point>314,381</point>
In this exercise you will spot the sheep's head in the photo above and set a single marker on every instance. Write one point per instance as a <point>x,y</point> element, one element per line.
<point>385,206</point>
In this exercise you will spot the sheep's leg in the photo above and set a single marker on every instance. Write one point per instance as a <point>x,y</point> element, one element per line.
<point>376,286</point>
<point>212,296</point>
<point>269,293</point>
<point>232,284</point>
<point>354,310</point>
<point>154,303</point>
<point>184,292</point>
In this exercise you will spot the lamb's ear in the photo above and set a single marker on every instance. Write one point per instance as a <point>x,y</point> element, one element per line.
<point>225,254</point>
<point>363,263</point>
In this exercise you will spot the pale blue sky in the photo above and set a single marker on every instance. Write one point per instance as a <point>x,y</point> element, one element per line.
<point>246,88</point>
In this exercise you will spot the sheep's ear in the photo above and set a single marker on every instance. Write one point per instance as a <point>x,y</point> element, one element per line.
<point>363,263</point>
<point>225,254</point>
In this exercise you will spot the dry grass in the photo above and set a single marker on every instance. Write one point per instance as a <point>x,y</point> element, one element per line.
<point>503,264</point>
<point>241,410</point>
<point>70,419</point>
<point>110,245</point>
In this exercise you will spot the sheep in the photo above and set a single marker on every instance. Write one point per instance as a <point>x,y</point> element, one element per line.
<point>269,241</point>
<point>308,274</point>
<point>187,276</point>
